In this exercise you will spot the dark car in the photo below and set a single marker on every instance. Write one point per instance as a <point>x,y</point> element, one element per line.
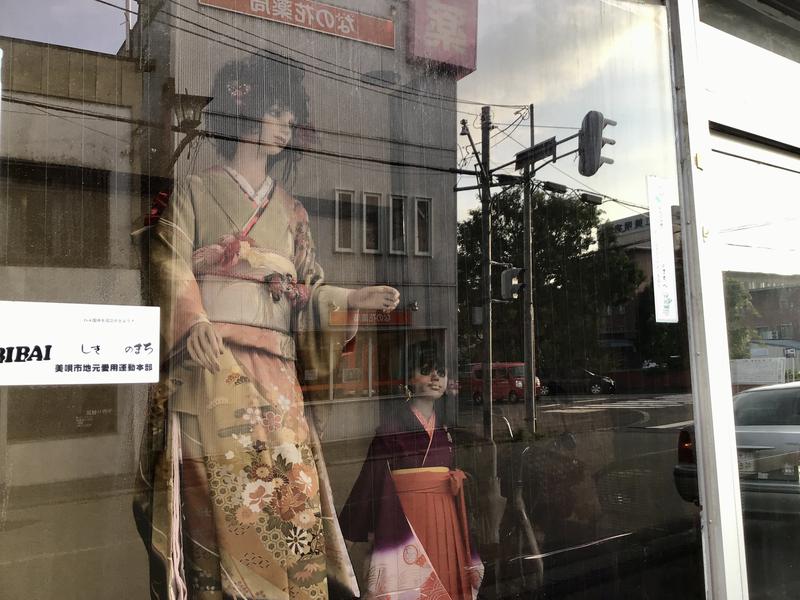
<point>575,381</point>
<point>767,421</point>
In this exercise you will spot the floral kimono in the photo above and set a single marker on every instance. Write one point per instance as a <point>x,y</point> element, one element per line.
<point>234,498</point>
<point>409,501</point>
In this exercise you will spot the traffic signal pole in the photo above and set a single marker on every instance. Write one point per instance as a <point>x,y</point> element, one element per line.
<point>486,274</point>
<point>528,293</point>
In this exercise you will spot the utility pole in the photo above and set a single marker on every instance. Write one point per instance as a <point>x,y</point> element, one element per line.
<point>528,293</point>
<point>486,273</point>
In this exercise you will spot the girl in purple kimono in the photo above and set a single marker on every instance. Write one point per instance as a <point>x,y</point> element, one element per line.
<point>408,500</point>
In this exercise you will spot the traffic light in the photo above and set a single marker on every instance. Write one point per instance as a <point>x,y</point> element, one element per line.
<point>591,142</point>
<point>511,283</point>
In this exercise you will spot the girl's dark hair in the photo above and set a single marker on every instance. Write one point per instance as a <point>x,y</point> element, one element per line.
<point>244,91</point>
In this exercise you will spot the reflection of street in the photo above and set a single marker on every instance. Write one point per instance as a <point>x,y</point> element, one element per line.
<point>75,540</point>
<point>598,488</point>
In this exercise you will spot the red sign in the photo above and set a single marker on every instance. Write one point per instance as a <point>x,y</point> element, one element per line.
<point>374,318</point>
<point>445,32</point>
<point>315,16</point>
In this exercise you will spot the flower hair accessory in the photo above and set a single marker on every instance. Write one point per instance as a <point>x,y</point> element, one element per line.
<point>238,90</point>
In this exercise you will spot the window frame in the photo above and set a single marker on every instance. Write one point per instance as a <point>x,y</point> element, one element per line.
<point>338,192</point>
<point>379,206</point>
<point>417,201</point>
<point>404,251</point>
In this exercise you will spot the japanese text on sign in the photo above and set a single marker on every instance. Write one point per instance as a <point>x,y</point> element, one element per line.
<point>663,251</point>
<point>315,16</point>
<point>48,343</point>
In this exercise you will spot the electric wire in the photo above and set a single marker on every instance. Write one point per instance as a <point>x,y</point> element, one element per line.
<point>359,74</point>
<point>387,90</point>
<point>219,136</point>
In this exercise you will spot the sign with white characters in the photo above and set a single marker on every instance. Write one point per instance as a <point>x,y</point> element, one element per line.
<point>663,250</point>
<point>48,343</point>
<point>444,32</point>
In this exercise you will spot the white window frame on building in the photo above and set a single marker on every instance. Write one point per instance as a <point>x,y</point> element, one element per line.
<point>417,201</point>
<point>371,199</point>
<point>392,250</point>
<point>338,246</point>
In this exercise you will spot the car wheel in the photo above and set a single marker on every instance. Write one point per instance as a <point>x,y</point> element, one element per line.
<point>513,398</point>
<point>477,399</point>
<point>596,388</point>
<point>544,390</point>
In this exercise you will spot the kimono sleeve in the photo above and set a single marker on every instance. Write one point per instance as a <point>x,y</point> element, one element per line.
<point>316,336</point>
<point>358,518</point>
<point>174,285</point>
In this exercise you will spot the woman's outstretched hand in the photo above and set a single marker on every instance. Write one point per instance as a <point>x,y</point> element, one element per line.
<point>204,346</point>
<point>374,297</point>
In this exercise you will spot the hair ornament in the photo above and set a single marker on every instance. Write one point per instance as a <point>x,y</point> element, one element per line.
<point>238,90</point>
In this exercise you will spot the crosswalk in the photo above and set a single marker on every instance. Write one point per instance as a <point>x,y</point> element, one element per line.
<point>597,405</point>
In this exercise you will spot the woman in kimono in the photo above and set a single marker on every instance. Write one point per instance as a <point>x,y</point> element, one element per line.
<point>237,499</point>
<point>408,500</point>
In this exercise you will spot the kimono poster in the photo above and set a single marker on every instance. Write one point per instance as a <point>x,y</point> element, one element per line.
<point>48,343</point>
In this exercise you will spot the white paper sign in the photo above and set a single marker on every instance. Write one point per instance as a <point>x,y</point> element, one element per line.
<point>48,343</point>
<point>663,250</point>
<point>758,370</point>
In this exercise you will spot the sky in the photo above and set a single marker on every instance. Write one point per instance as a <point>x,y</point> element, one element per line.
<point>76,23</point>
<point>569,57</point>
<point>565,56</point>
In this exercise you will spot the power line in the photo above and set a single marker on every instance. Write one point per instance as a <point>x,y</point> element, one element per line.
<point>377,80</point>
<point>591,189</point>
<point>219,136</point>
<point>389,91</point>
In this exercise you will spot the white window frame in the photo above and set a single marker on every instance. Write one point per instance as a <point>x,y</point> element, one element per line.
<point>379,205</point>
<point>392,250</point>
<point>429,201</point>
<point>337,238</point>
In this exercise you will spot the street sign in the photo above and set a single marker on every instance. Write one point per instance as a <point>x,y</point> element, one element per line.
<point>534,153</point>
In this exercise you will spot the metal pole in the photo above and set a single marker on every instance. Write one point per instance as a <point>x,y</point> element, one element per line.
<point>486,274</point>
<point>528,292</point>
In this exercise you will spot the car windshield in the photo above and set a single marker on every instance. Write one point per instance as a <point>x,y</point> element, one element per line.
<point>768,407</point>
<point>518,371</point>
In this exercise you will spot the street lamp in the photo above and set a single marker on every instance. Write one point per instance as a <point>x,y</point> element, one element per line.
<point>188,110</point>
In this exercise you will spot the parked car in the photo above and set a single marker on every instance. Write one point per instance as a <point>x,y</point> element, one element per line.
<point>767,421</point>
<point>575,381</point>
<point>508,381</point>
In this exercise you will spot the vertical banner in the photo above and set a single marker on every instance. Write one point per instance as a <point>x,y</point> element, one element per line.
<point>663,250</point>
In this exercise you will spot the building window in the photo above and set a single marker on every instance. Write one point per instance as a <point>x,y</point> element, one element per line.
<point>423,230</point>
<point>397,225</point>
<point>344,221</point>
<point>372,223</point>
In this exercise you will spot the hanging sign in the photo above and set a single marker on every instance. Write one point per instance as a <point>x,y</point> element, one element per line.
<point>367,318</point>
<point>316,16</point>
<point>662,250</point>
<point>48,343</point>
<point>444,32</point>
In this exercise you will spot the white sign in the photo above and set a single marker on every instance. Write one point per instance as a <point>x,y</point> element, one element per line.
<point>47,343</point>
<point>758,370</point>
<point>663,250</point>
